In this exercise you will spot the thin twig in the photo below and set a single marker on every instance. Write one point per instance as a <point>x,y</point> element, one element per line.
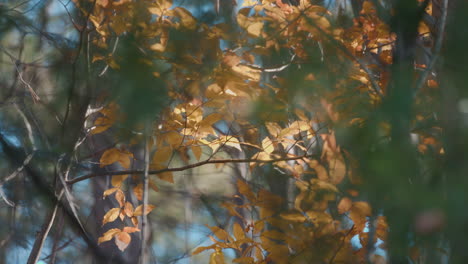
<point>182,168</point>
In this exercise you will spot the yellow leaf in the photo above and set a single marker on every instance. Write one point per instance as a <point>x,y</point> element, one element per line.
<point>249,72</point>
<point>255,29</point>
<point>162,154</point>
<point>186,18</point>
<point>210,119</point>
<point>295,217</point>
<point>139,210</point>
<point>197,151</point>
<point>238,232</point>
<point>122,240</point>
<point>219,233</point>
<point>113,155</point>
<point>118,179</point>
<point>217,257</point>
<point>230,141</point>
<point>267,145</point>
<point>111,215</point>
<point>108,235</point>
<point>273,128</point>
<point>249,3</point>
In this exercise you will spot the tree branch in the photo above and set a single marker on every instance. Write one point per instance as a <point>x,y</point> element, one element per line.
<point>191,166</point>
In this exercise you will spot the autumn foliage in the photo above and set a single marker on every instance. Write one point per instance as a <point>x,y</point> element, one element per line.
<point>295,88</point>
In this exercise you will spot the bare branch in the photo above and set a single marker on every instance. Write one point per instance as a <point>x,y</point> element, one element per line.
<point>183,168</point>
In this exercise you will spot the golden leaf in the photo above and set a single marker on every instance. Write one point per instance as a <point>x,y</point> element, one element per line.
<point>217,257</point>
<point>210,119</point>
<point>255,29</point>
<point>295,217</point>
<point>273,128</point>
<point>122,240</point>
<point>238,232</point>
<point>197,151</point>
<point>245,190</point>
<point>267,145</point>
<point>139,210</point>
<point>113,155</point>
<point>111,215</point>
<point>108,235</point>
<point>118,179</point>
<point>109,191</point>
<point>219,233</point>
<point>162,154</point>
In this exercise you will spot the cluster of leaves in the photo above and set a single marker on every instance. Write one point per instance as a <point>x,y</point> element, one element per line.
<point>213,95</point>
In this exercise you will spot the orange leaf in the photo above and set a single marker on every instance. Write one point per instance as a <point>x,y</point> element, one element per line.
<point>138,191</point>
<point>122,240</point>
<point>111,215</point>
<point>130,229</point>
<point>120,197</point>
<point>128,209</point>
<point>108,235</point>
<point>139,210</point>
<point>344,205</point>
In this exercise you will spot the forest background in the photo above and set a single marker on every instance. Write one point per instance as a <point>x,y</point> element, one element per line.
<point>255,131</point>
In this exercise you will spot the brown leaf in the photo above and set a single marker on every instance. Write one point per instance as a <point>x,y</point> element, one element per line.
<point>111,215</point>
<point>245,190</point>
<point>344,205</point>
<point>166,176</point>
